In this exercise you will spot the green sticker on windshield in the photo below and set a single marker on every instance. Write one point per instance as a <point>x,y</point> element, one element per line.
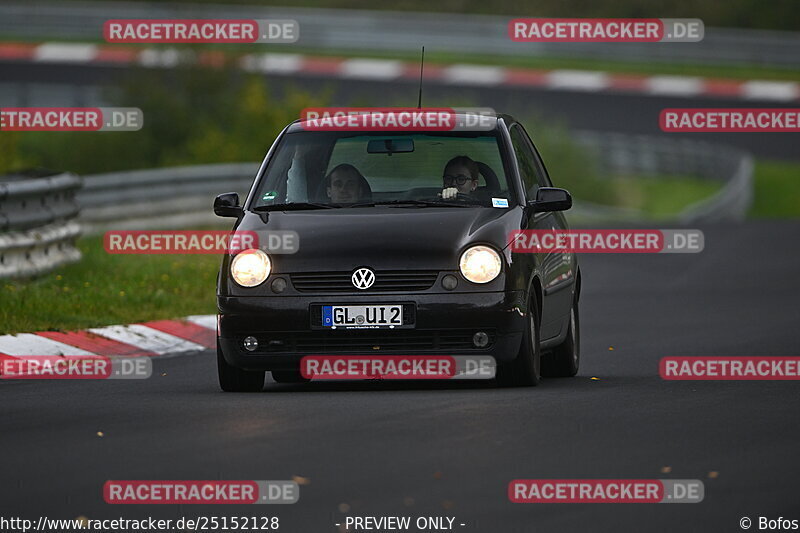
<point>270,195</point>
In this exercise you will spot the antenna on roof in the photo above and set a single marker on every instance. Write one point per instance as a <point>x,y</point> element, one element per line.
<point>421,65</point>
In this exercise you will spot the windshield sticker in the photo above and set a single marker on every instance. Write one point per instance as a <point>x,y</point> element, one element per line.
<point>270,195</point>
<point>499,202</point>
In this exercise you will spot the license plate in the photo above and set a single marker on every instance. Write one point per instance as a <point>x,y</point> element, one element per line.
<point>362,316</point>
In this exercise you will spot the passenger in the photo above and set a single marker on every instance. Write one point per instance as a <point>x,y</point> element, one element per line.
<point>460,176</point>
<point>346,185</point>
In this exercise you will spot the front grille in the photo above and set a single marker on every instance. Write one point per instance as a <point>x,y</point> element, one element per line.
<point>385,280</point>
<point>446,342</point>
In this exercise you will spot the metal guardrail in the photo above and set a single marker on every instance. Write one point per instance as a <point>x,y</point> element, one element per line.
<point>648,156</point>
<point>175,197</point>
<point>399,31</point>
<point>732,202</point>
<point>37,223</point>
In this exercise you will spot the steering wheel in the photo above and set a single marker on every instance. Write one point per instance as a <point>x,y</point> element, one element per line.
<point>459,197</point>
<point>465,197</point>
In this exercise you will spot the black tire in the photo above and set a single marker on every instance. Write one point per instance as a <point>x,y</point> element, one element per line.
<point>289,376</point>
<point>565,359</point>
<point>232,379</point>
<point>526,369</point>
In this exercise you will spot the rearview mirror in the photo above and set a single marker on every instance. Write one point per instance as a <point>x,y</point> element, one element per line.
<point>390,146</point>
<point>551,199</point>
<point>227,205</point>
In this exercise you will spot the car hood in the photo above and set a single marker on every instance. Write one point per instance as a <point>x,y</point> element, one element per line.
<point>384,238</point>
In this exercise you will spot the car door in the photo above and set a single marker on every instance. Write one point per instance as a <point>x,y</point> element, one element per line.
<point>556,268</point>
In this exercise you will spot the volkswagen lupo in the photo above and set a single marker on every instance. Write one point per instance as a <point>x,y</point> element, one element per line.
<point>403,248</point>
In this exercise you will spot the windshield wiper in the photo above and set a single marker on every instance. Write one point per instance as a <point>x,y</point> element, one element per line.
<point>421,203</point>
<point>293,206</point>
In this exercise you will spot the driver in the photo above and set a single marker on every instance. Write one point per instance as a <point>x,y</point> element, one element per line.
<point>460,176</point>
<point>346,185</point>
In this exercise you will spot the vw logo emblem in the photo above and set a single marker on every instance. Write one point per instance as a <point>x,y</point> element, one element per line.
<point>363,278</point>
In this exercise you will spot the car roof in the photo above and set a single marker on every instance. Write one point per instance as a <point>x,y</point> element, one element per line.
<point>297,124</point>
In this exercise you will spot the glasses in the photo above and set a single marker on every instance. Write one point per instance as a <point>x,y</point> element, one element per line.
<point>460,179</point>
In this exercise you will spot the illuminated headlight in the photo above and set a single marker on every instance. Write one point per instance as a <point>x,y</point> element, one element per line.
<point>250,267</point>
<point>480,264</point>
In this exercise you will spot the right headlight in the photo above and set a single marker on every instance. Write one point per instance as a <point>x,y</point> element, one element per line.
<point>480,264</point>
<point>250,267</point>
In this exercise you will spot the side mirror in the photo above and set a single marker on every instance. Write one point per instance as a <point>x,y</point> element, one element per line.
<point>551,199</point>
<point>227,205</point>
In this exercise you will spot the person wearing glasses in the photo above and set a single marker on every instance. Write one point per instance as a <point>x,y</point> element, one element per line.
<point>460,176</point>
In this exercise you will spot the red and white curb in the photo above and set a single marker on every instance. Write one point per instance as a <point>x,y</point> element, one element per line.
<point>160,338</point>
<point>390,70</point>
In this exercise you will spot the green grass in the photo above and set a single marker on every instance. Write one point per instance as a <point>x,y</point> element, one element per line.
<point>661,198</point>
<point>656,196</point>
<point>777,190</point>
<point>105,289</point>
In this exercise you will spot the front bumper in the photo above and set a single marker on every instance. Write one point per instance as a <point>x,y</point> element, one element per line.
<point>444,325</point>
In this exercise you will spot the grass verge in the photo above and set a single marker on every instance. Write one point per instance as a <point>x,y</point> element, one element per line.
<point>655,196</point>
<point>104,289</point>
<point>777,189</point>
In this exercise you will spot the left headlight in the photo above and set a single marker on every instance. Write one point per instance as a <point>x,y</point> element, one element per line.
<point>250,267</point>
<point>480,264</point>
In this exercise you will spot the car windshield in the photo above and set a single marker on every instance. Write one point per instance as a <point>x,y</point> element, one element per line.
<point>312,170</point>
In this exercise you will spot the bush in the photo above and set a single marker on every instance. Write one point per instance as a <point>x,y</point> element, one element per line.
<point>569,164</point>
<point>192,116</point>
<point>10,156</point>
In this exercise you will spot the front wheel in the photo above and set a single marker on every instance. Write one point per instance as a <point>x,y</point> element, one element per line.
<point>526,369</point>
<point>566,357</point>
<point>232,379</point>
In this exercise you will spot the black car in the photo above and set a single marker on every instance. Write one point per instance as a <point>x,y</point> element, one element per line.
<point>404,249</point>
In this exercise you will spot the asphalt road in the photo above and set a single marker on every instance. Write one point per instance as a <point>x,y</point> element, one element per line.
<point>32,84</point>
<point>450,450</point>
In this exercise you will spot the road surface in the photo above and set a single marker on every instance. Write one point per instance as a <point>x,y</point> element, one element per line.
<point>370,449</point>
